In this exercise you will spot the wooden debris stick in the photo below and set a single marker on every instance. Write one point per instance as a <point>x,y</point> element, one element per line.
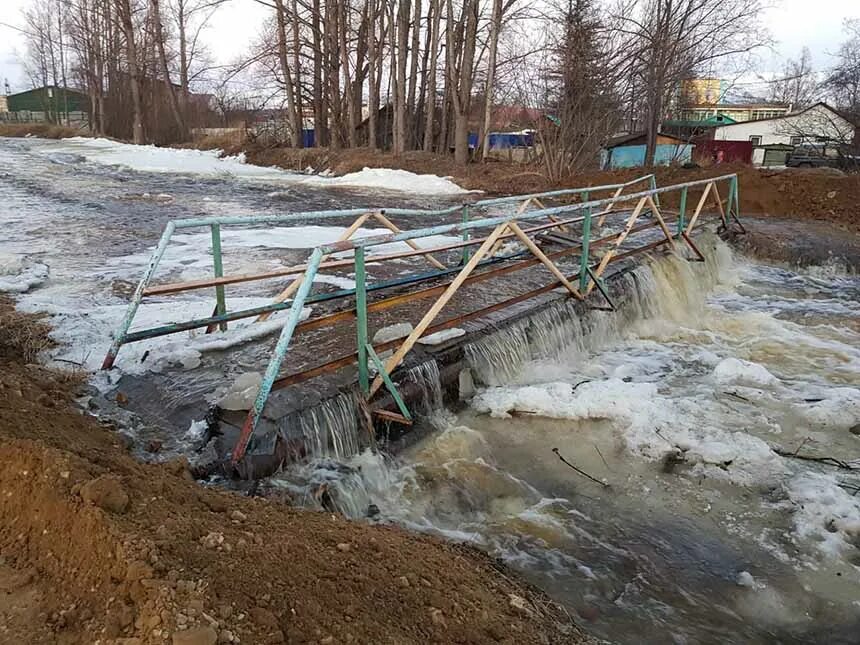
<point>579,470</point>
<point>428,318</point>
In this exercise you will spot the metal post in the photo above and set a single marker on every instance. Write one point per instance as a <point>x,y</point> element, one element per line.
<point>653,184</point>
<point>730,202</point>
<point>277,359</point>
<point>119,335</point>
<point>466,234</point>
<point>361,317</point>
<point>682,211</point>
<point>221,305</point>
<point>586,239</point>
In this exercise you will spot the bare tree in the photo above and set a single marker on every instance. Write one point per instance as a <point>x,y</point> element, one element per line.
<point>843,80</point>
<point>670,40</point>
<point>798,85</point>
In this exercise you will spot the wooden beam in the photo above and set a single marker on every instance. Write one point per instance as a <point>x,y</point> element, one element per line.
<point>387,223</point>
<point>699,207</point>
<point>618,242</point>
<point>656,212</point>
<point>428,318</point>
<point>540,255</point>
<point>295,284</point>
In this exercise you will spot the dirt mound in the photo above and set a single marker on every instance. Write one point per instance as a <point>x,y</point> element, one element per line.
<point>98,547</point>
<point>820,194</point>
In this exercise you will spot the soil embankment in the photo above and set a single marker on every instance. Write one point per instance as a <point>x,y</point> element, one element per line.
<point>95,546</point>
<point>818,194</point>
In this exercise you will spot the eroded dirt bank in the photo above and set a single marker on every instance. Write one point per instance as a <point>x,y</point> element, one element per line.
<point>816,194</point>
<point>96,547</point>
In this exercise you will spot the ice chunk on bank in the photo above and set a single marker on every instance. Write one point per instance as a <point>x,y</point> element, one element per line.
<point>741,372</point>
<point>825,514</point>
<point>839,411</point>
<point>17,275</point>
<point>241,393</point>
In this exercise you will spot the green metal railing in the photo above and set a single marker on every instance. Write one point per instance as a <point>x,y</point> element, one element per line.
<point>503,226</point>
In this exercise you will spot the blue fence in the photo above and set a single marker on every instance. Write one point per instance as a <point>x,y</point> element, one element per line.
<point>633,156</point>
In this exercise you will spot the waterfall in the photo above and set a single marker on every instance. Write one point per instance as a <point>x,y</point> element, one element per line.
<point>330,429</point>
<point>426,378</point>
<point>669,286</point>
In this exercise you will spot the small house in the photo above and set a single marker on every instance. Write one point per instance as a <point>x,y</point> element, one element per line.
<point>628,151</point>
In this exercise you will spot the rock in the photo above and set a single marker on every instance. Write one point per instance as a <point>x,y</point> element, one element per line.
<point>392,332</point>
<point>226,636</point>
<point>437,617</point>
<point>153,446</point>
<point>264,618</point>
<point>343,547</point>
<point>517,602</point>
<point>121,398</point>
<point>225,611</point>
<point>196,636</point>
<point>589,612</point>
<point>238,515</point>
<point>107,493</point>
<point>855,430</point>
<point>138,570</point>
<point>403,581</point>
<point>212,540</point>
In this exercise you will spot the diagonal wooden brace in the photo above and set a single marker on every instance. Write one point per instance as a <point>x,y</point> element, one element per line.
<point>295,284</point>
<point>604,261</point>
<point>391,226</point>
<point>431,314</point>
<point>540,255</point>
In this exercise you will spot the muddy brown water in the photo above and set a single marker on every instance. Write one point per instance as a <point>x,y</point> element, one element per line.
<point>732,544</point>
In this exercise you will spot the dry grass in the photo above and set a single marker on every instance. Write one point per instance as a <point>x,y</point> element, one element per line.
<point>23,336</point>
<point>43,130</point>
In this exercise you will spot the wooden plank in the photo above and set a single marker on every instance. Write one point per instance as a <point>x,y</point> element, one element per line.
<point>387,415</point>
<point>428,318</point>
<point>604,261</point>
<point>719,202</point>
<point>531,246</point>
<point>603,215</point>
<point>699,207</point>
<point>656,213</point>
<point>387,223</point>
<point>295,284</point>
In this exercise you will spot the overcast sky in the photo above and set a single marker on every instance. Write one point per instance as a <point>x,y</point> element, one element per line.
<point>793,23</point>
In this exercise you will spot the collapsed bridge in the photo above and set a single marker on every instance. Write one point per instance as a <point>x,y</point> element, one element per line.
<point>500,259</point>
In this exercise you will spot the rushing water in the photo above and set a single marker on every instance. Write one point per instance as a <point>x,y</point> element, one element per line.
<point>701,533</point>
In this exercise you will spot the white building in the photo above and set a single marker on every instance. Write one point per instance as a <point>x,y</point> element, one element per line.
<point>814,124</point>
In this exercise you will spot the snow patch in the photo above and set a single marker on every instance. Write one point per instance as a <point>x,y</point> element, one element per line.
<point>209,163</point>
<point>241,393</point>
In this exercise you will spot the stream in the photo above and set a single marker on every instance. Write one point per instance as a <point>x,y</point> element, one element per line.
<point>696,530</point>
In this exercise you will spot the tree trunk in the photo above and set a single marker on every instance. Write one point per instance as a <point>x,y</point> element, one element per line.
<point>124,10</point>
<point>463,92</point>
<point>411,112</point>
<point>372,73</point>
<point>293,115</point>
<point>400,77</point>
<point>165,70</point>
<point>321,134</point>
<point>495,28</point>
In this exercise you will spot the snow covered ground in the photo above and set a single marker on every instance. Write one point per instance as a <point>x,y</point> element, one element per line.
<point>209,163</point>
